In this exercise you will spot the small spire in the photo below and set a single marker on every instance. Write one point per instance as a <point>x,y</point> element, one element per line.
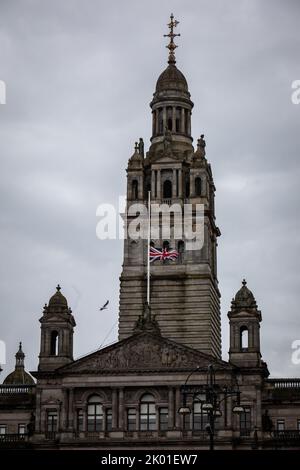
<point>244,282</point>
<point>172,46</point>
<point>136,147</point>
<point>58,288</point>
<point>20,356</point>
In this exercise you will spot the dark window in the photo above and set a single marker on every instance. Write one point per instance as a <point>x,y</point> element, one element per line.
<point>169,119</point>
<point>180,246</point>
<point>94,415</point>
<point>198,186</point>
<point>166,245</point>
<point>244,336</point>
<point>147,413</point>
<point>52,421</point>
<point>298,424</point>
<point>200,417</point>
<point>109,419</point>
<point>167,189</point>
<point>163,419</point>
<point>79,420</point>
<point>245,421</point>
<point>54,343</point>
<point>187,187</point>
<point>135,189</point>
<point>131,419</point>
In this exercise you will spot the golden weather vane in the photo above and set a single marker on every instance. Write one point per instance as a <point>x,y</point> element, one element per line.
<point>172,46</point>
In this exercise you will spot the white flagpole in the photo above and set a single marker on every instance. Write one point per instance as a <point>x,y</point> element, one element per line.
<point>148,254</point>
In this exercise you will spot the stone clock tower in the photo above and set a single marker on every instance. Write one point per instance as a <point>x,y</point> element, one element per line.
<point>184,293</point>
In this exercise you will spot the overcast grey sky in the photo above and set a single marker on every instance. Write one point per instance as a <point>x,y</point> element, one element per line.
<point>80,76</point>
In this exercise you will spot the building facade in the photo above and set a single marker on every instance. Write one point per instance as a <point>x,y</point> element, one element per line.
<point>163,384</point>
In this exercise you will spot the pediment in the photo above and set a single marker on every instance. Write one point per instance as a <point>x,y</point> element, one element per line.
<point>142,352</point>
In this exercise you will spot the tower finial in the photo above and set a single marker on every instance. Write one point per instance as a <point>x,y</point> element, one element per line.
<point>244,282</point>
<point>58,287</point>
<point>172,46</point>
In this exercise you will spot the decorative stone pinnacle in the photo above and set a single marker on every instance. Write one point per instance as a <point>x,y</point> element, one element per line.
<point>136,147</point>
<point>172,46</point>
<point>58,288</point>
<point>244,282</point>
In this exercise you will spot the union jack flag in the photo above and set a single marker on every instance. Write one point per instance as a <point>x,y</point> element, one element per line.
<point>162,254</point>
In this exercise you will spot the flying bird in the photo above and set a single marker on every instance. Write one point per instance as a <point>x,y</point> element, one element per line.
<point>104,306</point>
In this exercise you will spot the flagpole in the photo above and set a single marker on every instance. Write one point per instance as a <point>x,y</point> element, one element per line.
<point>148,254</point>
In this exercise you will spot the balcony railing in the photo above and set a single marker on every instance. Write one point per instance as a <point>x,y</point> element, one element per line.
<point>51,435</point>
<point>285,383</point>
<point>287,435</point>
<point>16,389</point>
<point>13,437</point>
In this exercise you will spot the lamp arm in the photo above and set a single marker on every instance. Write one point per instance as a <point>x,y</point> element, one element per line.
<point>185,384</point>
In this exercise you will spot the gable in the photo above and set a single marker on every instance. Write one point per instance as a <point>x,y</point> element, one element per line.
<point>142,352</point>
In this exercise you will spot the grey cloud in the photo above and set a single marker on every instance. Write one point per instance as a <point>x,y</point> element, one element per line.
<point>80,76</point>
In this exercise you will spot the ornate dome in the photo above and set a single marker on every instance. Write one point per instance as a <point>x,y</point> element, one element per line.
<point>244,298</point>
<point>58,300</point>
<point>171,79</point>
<point>19,376</point>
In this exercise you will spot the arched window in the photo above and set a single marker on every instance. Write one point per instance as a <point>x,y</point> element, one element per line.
<point>169,118</point>
<point>147,413</point>
<point>167,189</point>
<point>160,121</point>
<point>54,343</point>
<point>178,118</point>
<point>244,337</point>
<point>198,186</point>
<point>135,189</point>
<point>94,414</point>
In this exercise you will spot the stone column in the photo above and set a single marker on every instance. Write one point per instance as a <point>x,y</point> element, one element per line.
<point>71,414</point>
<point>174,185</point>
<point>192,184</point>
<point>121,409</point>
<point>174,119</point>
<point>84,420</point>
<point>177,406</point>
<point>229,412</point>
<point>171,409</point>
<point>114,409</point>
<point>156,121</point>
<point>158,185</point>
<point>153,122</point>
<point>180,182</point>
<point>188,122</point>
<point>38,411</point>
<point>182,121</point>
<point>63,421</point>
<point>152,184</point>
<point>164,118</point>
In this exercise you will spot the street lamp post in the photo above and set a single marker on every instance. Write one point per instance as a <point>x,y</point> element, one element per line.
<point>211,392</point>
